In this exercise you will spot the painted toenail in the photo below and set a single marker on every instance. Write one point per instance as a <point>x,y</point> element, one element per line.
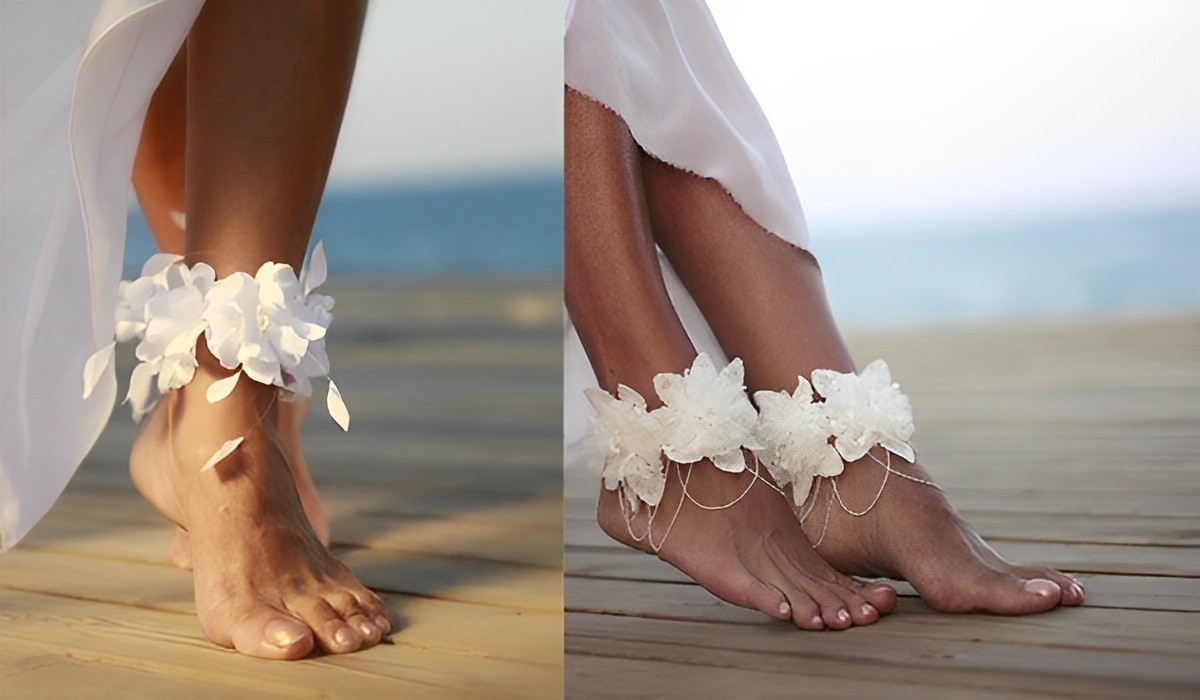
<point>282,634</point>
<point>344,637</point>
<point>1042,587</point>
<point>785,610</point>
<point>843,616</point>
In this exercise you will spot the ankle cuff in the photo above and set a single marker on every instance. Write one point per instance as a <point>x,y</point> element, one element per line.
<point>858,412</point>
<point>705,414</point>
<point>269,326</point>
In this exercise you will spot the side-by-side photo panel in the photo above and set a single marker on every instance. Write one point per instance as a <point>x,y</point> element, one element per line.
<point>308,257</point>
<point>902,441</point>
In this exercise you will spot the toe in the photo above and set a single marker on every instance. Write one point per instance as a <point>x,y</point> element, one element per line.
<point>334,634</point>
<point>1008,594</point>
<point>1072,591</point>
<point>881,596</point>
<point>270,634</point>
<point>861,612</point>
<point>825,605</point>
<point>374,608</point>
<point>748,591</point>
<point>371,632</point>
<point>358,617</point>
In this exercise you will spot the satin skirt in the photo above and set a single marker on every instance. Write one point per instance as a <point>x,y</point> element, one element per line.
<point>76,77</point>
<point>664,68</point>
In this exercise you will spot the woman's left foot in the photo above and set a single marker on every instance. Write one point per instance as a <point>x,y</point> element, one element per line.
<point>914,534</point>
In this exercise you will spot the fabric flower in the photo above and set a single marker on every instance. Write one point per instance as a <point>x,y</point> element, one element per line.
<point>269,327</point>
<point>623,440</point>
<point>173,318</point>
<point>134,295</point>
<point>794,432</point>
<point>707,414</point>
<point>866,409</point>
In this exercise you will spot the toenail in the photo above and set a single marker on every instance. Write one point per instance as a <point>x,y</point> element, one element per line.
<point>1042,587</point>
<point>383,623</point>
<point>368,628</point>
<point>282,634</point>
<point>867,610</point>
<point>843,616</point>
<point>344,637</point>
<point>785,610</point>
<point>1078,589</point>
<point>818,622</point>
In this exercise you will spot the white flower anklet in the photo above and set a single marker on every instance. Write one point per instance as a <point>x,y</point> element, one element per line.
<point>707,415</point>
<point>269,327</point>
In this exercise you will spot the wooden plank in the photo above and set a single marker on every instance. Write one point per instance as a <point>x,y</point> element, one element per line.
<point>1079,454</point>
<point>604,668</point>
<point>120,639</point>
<point>874,653</point>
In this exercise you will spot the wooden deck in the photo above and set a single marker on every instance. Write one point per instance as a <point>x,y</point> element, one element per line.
<point>445,497</point>
<point>1072,444</point>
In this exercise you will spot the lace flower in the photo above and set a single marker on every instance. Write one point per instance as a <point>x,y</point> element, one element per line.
<point>866,409</point>
<point>794,432</point>
<point>707,414</point>
<point>623,440</point>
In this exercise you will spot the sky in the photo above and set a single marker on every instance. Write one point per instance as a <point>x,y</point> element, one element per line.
<point>453,89</point>
<point>942,110</point>
<point>887,112</point>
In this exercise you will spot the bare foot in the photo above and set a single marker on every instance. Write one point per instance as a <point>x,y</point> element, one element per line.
<point>753,554</point>
<point>291,417</point>
<point>914,534</point>
<point>264,582</point>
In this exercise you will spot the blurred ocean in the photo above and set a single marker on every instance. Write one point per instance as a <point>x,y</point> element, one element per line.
<point>1049,265</point>
<point>490,227</point>
<point>966,270</point>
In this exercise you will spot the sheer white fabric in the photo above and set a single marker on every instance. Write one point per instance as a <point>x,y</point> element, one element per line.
<point>76,77</point>
<point>664,68</point>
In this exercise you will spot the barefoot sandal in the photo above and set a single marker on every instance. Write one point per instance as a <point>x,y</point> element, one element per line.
<point>269,327</point>
<point>804,440</point>
<point>705,414</point>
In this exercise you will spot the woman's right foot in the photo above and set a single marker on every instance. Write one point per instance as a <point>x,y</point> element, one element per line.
<point>291,417</point>
<point>753,554</point>
<point>264,583</point>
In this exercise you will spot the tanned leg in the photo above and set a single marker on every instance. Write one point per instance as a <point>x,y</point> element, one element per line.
<point>755,553</point>
<point>267,83</point>
<point>765,301</point>
<point>158,179</point>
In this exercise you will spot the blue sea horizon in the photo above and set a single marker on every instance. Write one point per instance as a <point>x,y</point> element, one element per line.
<point>1047,265</point>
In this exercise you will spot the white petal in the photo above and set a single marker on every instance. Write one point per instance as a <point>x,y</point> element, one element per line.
<point>141,382</point>
<point>733,461</point>
<point>95,367</point>
<point>159,262</point>
<point>221,388</point>
<point>224,451</point>
<point>337,407</point>
<point>317,269</point>
<point>899,448</point>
